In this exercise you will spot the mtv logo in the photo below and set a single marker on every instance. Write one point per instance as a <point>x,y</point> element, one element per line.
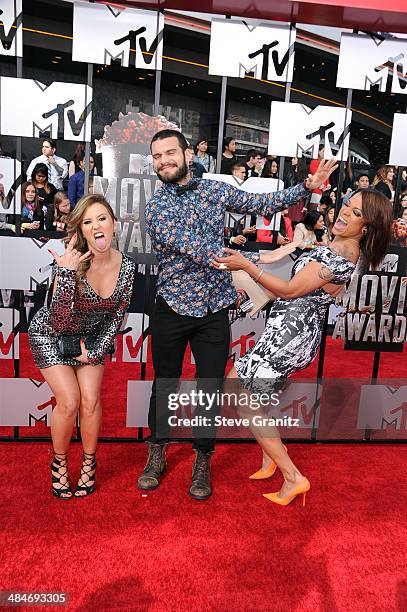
<point>244,335</point>
<point>9,344</point>
<point>10,178</point>
<point>380,62</point>
<point>104,33</point>
<point>61,110</point>
<point>11,28</point>
<point>23,402</point>
<point>389,263</point>
<point>382,407</point>
<point>398,153</point>
<point>135,339</point>
<point>296,129</point>
<point>253,46</point>
<point>25,262</point>
<point>138,401</point>
<point>300,401</point>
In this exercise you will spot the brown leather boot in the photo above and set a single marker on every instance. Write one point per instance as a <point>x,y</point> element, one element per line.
<point>155,466</point>
<point>201,476</point>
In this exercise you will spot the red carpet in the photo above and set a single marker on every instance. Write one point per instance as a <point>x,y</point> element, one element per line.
<point>346,550</point>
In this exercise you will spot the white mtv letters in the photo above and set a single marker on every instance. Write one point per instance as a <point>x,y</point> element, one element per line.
<point>398,149</point>
<point>60,110</point>
<point>238,47</point>
<point>10,176</point>
<point>382,406</point>
<point>11,28</point>
<point>296,129</point>
<point>102,33</point>
<point>25,263</point>
<point>368,60</point>
<point>135,340</point>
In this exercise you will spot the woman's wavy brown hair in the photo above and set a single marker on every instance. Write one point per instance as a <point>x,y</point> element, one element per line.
<point>378,214</point>
<point>74,225</point>
<point>381,175</point>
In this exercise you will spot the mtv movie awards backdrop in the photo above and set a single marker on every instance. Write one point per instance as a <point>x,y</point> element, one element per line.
<point>371,314</point>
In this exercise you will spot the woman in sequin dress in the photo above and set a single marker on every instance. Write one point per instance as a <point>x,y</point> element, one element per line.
<point>293,332</point>
<point>91,290</point>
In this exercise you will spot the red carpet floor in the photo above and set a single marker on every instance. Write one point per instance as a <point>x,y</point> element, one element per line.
<point>346,550</point>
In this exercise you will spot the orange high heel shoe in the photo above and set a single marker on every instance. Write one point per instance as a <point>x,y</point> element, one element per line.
<point>263,474</point>
<point>302,488</point>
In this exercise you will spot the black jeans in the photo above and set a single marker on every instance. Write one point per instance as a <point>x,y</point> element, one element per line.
<point>209,337</point>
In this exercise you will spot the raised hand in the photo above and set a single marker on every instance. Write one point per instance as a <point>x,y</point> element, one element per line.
<point>71,258</point>
<point>280,253</point>
<point>325,169</point>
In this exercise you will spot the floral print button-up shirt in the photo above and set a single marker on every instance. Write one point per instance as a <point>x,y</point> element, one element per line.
<point>187,231</point>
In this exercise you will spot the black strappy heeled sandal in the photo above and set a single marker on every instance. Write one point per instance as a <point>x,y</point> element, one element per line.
<point>86,484</point>
<point>64,490</point>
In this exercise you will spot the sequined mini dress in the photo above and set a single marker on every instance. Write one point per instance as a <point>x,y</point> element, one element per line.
<point>75,308</point>
<point>293,332</point>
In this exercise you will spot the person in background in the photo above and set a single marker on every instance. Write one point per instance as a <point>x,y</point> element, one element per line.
<point>57,166</point>
<point>76,185</point>
<point>383,181</point>
<point>317,193</point>
<point>332,195</point>
<point>403,185</point>
<point>305,233</point>
<point>202,156</point>
<point>196,169</point>
<point>238,170</point>
<point>57,215</point>
<point>32,216</point>
<point>296,173</point>
<point>399,229</point>
<point>253,159</point>
<point>228,156</point>
<point>324,202</point>
<point>45,190</point>
<point>363,181</point>
<point>329,216</point>
<point>270,169</point>
<point>75,163</point>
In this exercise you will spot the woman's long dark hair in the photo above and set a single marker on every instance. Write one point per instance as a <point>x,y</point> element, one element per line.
<point>37,205</point>
<point>311,218</point>
<point>41,169</point>
<point>378,214</point>
<point>266,173</point>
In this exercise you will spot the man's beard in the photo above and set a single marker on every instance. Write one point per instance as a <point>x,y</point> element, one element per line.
<point>180,174</point>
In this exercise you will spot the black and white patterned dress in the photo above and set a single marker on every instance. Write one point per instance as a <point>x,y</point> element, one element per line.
<point>293,332</point>
<point>76,308</point>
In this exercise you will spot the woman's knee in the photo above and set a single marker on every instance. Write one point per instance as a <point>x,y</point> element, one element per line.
<point>90,404</point>
<point>68,406</point>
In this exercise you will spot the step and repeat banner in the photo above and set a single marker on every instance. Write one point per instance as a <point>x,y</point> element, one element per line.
<point>371,313</point>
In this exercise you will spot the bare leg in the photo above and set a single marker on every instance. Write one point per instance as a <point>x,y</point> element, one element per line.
<point>273,448</point>
<point>64,385</point>
<point>90,416</point>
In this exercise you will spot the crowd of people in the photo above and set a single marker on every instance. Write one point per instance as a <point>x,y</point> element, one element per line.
<point>54,186</point>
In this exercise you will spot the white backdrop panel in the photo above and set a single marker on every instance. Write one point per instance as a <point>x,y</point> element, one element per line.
<point>138,400</point>
<point>381,407</point>
<point>28,107</point>
<point>102,33</point>
<point>25,263</point>
<point>11,32</point>
<point>10,171</point>
<point>239,46</point>
<point>24,401</point>
<point>296,129</point>
<point>9,344</point>
<point>366,60</point>
<point>398,148</point>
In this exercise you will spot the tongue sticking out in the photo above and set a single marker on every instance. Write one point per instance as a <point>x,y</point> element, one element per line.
<point>340,224</point>
<point>101,243</point>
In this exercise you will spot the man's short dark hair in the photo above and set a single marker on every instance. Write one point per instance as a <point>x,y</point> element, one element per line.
<point>237,165</point>
<point>252,153</point>
<point>363,174</point>
<point>51,142</point>
<point>163,134</point>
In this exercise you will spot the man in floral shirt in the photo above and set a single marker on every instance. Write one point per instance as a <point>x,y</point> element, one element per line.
<point>185,221</point>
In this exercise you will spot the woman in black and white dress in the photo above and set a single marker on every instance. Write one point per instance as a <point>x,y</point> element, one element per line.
<point>293,332</point>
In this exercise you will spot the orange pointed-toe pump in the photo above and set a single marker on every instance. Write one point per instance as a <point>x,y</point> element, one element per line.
<point>300,489</point>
